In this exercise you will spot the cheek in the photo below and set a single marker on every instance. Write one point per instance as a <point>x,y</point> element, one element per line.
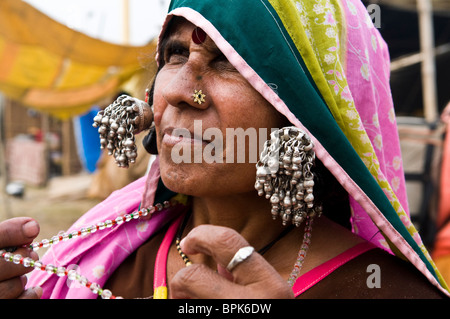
<point>257,117</point>
<point>159,103</point>
<point>245,107</point>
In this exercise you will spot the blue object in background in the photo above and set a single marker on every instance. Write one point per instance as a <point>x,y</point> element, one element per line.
<point>87,139</point>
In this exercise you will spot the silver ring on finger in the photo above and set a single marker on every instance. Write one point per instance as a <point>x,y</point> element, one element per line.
<point>240,256</point>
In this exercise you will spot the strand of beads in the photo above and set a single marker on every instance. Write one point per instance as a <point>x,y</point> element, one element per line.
<point>302,252</point>
<point>59,271</point>
<point>100,226</point>
<point>9,256</point>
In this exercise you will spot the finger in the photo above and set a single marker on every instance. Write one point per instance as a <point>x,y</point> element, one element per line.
<point>219,242</point>
<point>12,288</point>
<point>32,293</point>
<point>201,282</point>
<point>222,243</point>
<point>10,270</point>
<point>18,231</point>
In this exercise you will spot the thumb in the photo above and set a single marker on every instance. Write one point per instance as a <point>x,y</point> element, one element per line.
<point>32,293</point>
<point>221,270</point>
<point>18,231</point>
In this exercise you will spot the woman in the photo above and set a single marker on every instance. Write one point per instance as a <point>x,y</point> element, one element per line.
<point>319,71</point>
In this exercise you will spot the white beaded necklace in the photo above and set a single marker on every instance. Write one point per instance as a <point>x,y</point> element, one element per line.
<point>9,256</point>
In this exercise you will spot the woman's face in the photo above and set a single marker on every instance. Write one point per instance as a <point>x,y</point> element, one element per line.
<point>199,144</point>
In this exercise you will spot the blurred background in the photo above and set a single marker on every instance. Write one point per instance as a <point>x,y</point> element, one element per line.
<point>60,63</point>
<point>63,61</point>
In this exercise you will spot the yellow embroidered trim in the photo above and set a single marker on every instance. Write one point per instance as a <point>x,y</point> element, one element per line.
<point>160,293</point>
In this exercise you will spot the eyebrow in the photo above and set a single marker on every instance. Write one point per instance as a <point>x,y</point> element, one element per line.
<point>173,42</point>
<point>168,42</point>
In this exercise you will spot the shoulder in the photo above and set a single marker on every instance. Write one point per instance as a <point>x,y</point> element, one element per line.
<point>375,274</point>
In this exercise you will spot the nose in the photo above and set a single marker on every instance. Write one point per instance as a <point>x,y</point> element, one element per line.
<point>187,88</point>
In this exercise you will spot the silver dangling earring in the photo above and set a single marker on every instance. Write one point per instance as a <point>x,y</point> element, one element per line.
<point>118,123</point>
<point>284,176</point>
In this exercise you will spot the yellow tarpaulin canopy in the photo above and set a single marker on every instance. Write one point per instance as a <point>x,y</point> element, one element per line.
<point>52,68</point>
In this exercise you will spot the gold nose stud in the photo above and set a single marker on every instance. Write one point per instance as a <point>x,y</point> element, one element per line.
<point>199,97</point>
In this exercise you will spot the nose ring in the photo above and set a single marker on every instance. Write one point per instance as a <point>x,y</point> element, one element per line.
<point>199,97</point>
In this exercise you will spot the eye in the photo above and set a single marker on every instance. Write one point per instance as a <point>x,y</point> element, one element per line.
<point>175,54</point>
<point>221,62</point>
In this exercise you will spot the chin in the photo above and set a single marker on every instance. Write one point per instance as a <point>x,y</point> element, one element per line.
<point>206,180</point>
<point>178,180</point>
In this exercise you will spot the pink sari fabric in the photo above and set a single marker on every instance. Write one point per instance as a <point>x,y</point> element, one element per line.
<point>368,72</point>
<point>97,255</point>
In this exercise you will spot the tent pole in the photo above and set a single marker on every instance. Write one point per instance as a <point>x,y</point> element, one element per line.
<point>67,154</point>
<point>126,21</point>
<point>3,168</point>
<point>45,128</point>
<point>426,31</point>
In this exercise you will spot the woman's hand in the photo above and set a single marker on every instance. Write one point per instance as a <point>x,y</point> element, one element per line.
<point>17,232</point>
<point>253,278</point>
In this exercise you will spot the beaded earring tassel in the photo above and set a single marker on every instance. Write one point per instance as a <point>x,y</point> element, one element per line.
<point>284,175</point>
<point>118,123</point>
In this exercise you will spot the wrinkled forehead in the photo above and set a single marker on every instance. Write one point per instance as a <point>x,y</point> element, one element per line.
<point>180,30</point>
<point>174,27</point>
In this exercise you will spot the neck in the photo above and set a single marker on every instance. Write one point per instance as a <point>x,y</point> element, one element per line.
<point>246,213</point>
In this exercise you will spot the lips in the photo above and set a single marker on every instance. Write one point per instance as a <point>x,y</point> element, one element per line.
<point>173,136</point>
